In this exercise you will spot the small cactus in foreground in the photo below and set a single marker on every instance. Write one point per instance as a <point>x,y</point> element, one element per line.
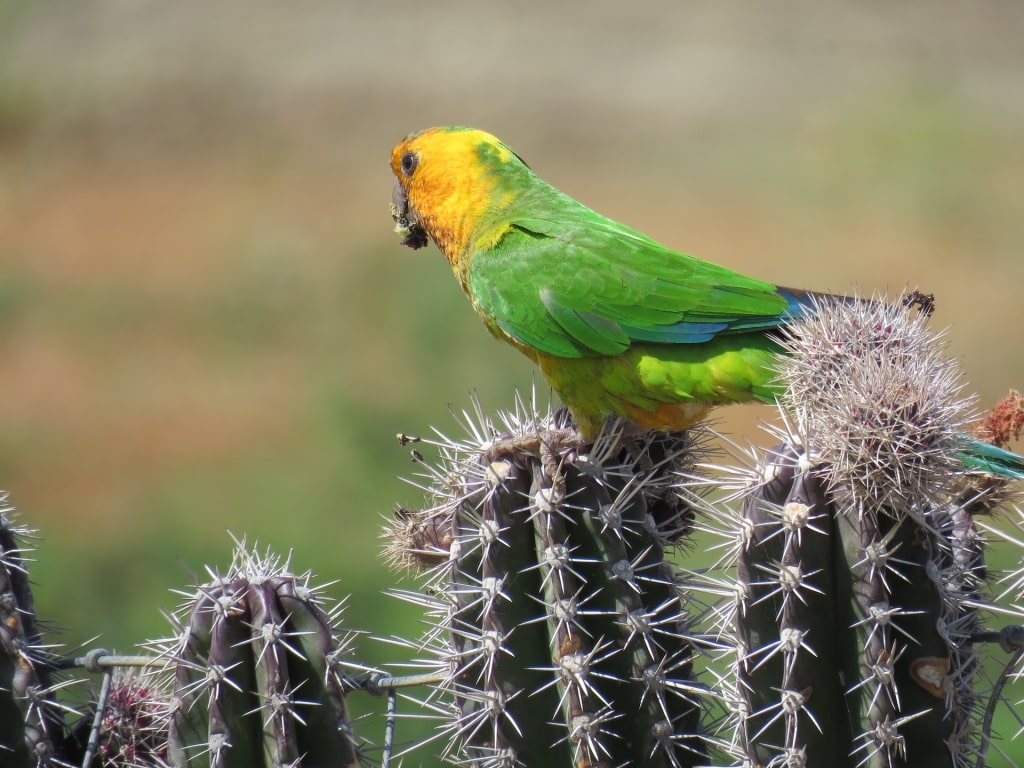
<point>255,675</point>
<point>259,672</point>
<point>851,598</point>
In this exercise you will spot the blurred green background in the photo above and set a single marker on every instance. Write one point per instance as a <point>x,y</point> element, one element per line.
<point>207,324</point>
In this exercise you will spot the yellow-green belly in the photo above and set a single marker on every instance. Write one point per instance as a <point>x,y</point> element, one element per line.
<point>663,386</point>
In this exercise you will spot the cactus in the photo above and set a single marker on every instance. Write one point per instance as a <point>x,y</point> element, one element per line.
<point>561,631</point>
<point>255,674</point>
<point>259,672</point>
<point>861,574</point>
<point>858,559</point>
<point>134,714</point>
<point>854,628</point>
<point>32,725</point>
<point>847,620</point>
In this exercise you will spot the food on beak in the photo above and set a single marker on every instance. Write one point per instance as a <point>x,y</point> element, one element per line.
<point>406,224</point>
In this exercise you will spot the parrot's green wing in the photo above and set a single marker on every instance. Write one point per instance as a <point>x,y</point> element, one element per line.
<point>587,286</point>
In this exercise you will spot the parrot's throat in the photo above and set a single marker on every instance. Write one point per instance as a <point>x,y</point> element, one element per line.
<point>456,222</point>
<point>450,237</point>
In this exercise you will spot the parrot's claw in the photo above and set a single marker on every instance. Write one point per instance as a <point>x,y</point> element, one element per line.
<point>552,447</point>
<point>549,445</point>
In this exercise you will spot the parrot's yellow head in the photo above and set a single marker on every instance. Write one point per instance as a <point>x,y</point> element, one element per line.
<point>447,181</point>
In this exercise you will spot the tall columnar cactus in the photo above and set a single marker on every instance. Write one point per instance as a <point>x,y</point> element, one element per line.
<point>260,672</point>
<point>861,575</point>
<point>854,628</point>
<point>860,571</point>
<point>561,628</point>
<point>852,598</point>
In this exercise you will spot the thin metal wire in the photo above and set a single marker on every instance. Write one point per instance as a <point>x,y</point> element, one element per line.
<point>97,721</point>
<point>389,727</point>
<point>994,699</point>
<point>378,684</point>
<point>99,661</point>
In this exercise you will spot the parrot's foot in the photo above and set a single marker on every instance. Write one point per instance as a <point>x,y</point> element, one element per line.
<point>627,440</point>
<point>552,447</point>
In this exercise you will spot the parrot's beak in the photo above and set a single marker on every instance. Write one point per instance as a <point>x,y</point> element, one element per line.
<point>406,223</point>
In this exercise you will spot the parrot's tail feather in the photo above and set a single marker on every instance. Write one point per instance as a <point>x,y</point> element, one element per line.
<point>986,457</point>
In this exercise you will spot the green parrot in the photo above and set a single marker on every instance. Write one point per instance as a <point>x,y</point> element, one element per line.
<point>618,323</point>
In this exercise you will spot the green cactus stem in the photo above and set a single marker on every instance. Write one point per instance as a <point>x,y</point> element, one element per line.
<point>259,671</point>
<point>861,570</point>
<point>560,625</point>
<point>855,630</point>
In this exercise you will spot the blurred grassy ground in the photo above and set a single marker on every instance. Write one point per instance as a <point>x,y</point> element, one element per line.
<point>207,325</point>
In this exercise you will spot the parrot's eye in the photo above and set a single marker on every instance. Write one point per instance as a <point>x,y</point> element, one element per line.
<point>409,163</point>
